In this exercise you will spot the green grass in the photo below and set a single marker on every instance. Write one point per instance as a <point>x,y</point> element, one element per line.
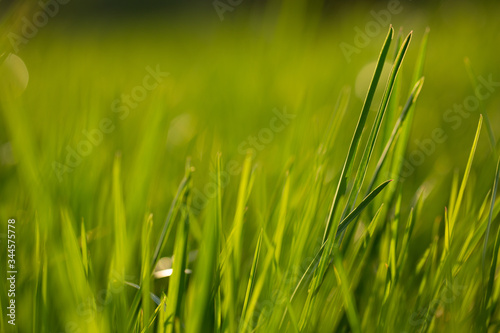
<point>268,223</point>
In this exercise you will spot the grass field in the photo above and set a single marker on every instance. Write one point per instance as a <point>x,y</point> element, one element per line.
<point>274,171</point>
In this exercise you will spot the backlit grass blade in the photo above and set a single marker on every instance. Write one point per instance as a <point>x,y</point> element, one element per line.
<point>120,231</point>
<point>83,242</point>
<point>240,212</point>
<point>252,278</point>
<point>349,303</point>
<point>493,266</point>
<point>205,284</point>
<point>461,192</point>
<point>145,269</point>
<point>177,280</point>
<point>172,214</point>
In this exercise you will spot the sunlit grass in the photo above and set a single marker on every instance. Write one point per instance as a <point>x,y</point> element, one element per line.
<point>267,223</point>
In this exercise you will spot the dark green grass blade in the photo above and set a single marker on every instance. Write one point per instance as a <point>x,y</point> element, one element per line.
<point>346,170</point>
<point>370,145</point>
<point>404,136</point>
<point>355,213</point>
<point>409,103</point>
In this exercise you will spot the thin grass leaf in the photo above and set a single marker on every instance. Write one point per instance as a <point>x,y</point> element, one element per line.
<point>367,154</point>
<point>349,218</point>
<point>402,117</point>
<point>475,85</point>
<point>176,284</point>
<point>349,304</point>
<point>172,214</point>
<point>461,192</point>
<point>348,163</point>
<point>496,247</point>
<point>251,278</point>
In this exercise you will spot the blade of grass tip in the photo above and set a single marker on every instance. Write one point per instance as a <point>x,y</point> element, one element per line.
<point>177,279</point>
<point>454,214</point>
<point>347,168</point>
<point>251,279</point>
<point>375,130</point>
<point>310,268</point>
<point>409,103</point>
<point>405,244</point>
<point>240,212</point>
<point>158,310</point>
<point>249,320</point>
<point>220,240</point>
<point>370,145</point>
<point>454,190</point>
<point>393,102</point>
<point>404,136</point>
<point>73,256</point>
<point>83,239</point>
<point>119,217</point>
<point>349,303</point>
<point>491,134</point>
<point>120,237</point>
<point>493,266</point>
<point>349,218</point>
<point>394,238</point>
<point>172,214</point>
<point>145,269</point>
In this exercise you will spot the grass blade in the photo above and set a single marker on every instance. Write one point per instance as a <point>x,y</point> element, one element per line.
<point>346,169</point>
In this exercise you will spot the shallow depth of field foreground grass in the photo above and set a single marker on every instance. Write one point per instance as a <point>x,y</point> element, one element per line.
<point>240,176</point>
